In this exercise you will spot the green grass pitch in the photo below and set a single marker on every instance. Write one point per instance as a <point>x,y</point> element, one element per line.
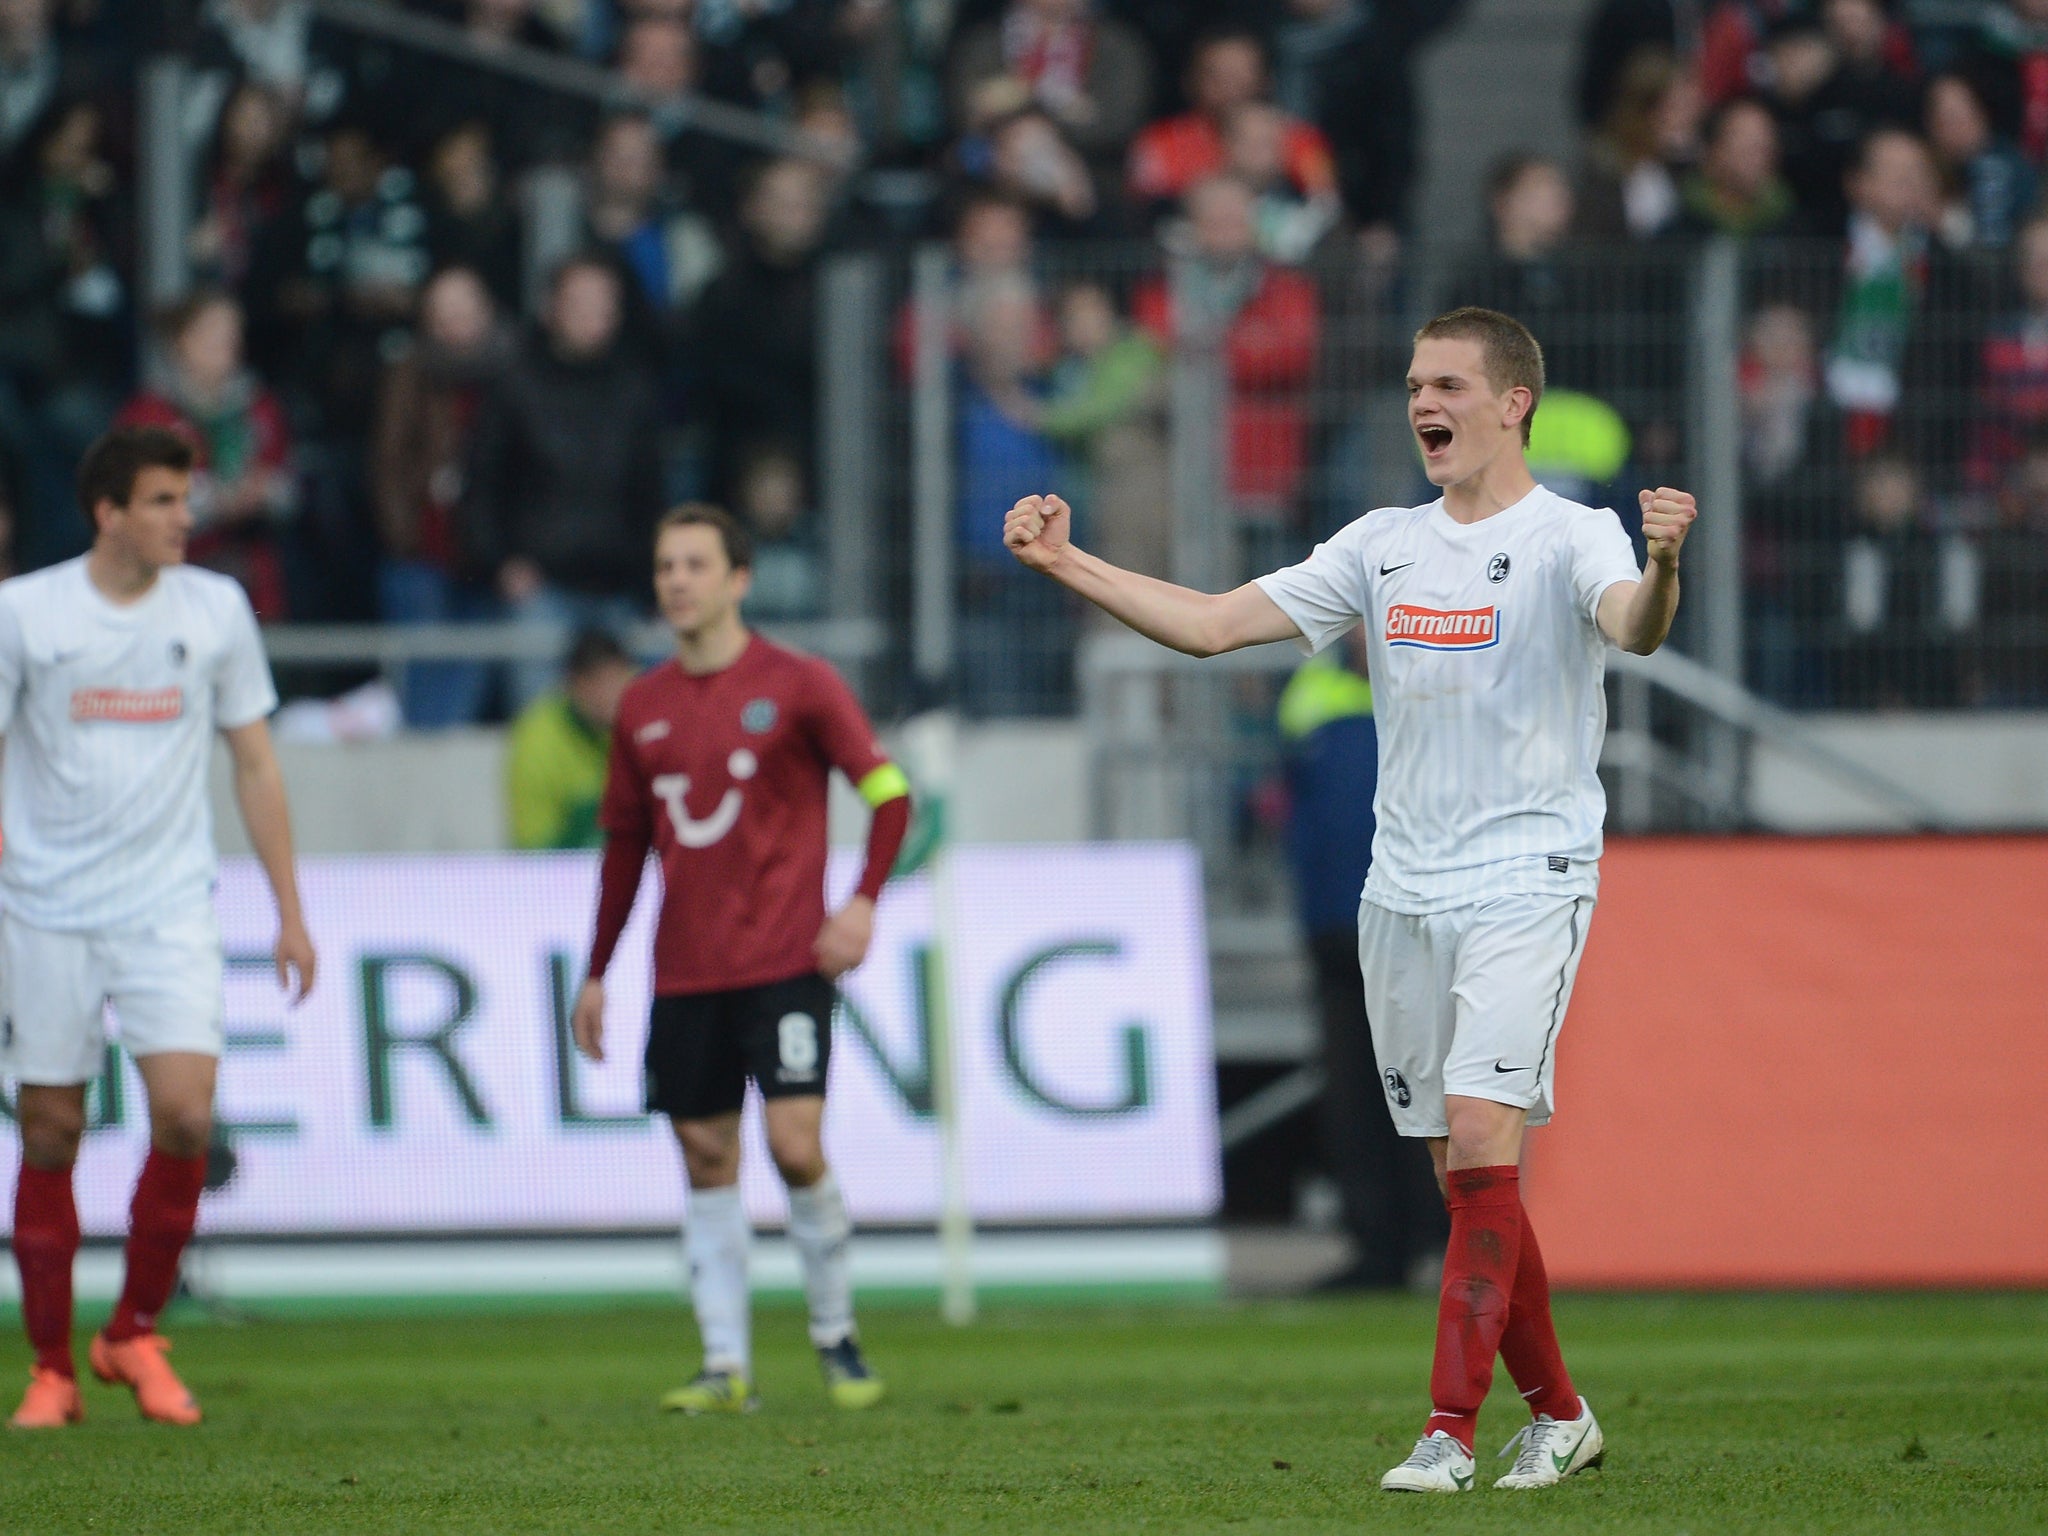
<point>1890,1414</point>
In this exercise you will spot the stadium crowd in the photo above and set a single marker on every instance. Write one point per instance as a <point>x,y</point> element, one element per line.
<point>403,413</point>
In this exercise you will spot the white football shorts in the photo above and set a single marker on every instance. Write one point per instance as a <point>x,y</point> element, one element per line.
<point>164,982</point>
<point>1469,1002</point>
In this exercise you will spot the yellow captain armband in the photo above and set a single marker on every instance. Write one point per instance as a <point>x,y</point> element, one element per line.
<point>883,784</point>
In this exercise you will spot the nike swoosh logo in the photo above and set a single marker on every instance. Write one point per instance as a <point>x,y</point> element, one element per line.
<point>1388,570</point>
<point>1563,1463</point>
<point>1462,1482</point>
<point>1499,1068</point>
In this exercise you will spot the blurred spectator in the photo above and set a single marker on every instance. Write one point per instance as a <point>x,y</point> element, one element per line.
<point>1892,593</point>
<point>670,252</point>
<point>1014,651</point>
<point>1089,73</point>
<point>1267,320</point>
<point>35,73</point>
<point>1628,187</point>
<point>2012,403</point>
<point>1986,184</point>
<point>1225,71</point>
<point>895,54</point>
<point>523,125</point>
<point>1030,161</point>
<point>332,284</point>
<point>1615,34</point>
<point>244,487</point>
<point>1737,189</point>
<point>1792,472</point>
<point>658,59</point>
<point>756,331</point>
<point>565,472</point>
<point>2010,57</point>
<point>2014,594</point>
<point>1866,86</point>
<point>470,220</point>
<point>279,45</point>
<point>65,319</point>
<point>1290,225</point>
<point>1798,60</point>
<point>1892,204</point>
<point>427,407</point>
<point>1105,406</point>
<point>248,184</point>
<point>557,750</point>
<point>1347,67</point>
<point>772,497</point>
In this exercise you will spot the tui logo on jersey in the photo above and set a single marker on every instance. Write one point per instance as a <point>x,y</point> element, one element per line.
<point>758,718</point>
<point>672,789</point>
<point>1497,568</point>
<point>1441,629</point>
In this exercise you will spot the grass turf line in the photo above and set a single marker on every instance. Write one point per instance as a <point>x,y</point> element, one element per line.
<point>1894,1414</point>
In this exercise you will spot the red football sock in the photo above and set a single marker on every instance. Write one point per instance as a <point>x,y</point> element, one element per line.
<point>1479,1276</point>
<point>1528,1346</point>
<point>159,1223</point>
<point>45,1244</point>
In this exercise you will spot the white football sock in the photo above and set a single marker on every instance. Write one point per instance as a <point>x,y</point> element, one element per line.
<point>715,1239</point>
<point>819,1227</point>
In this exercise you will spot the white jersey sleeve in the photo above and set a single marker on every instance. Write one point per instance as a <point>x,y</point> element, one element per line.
<point>1600,553</point>
<point>242,690</point>
<point>13,661</point>
<point>1326,593</point>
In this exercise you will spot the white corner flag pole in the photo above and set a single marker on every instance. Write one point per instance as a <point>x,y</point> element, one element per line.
<point>931,741</point>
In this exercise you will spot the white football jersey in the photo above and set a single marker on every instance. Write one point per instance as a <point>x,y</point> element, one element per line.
<point>1487,671</point>
<point>108,714</point>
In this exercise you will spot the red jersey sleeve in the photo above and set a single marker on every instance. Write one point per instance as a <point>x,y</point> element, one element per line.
<point>840,726</point>
<point>628,823</point>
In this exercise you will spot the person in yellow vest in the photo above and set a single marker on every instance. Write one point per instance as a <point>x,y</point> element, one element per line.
<point>555,761</point>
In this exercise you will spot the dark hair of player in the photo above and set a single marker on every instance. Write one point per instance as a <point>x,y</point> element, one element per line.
<point>739,544</point>
<point>108,470</point>
<point>592,650</point>
<point>1513,360</point>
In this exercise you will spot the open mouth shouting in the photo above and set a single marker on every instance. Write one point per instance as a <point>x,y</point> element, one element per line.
<point>1435,439</point>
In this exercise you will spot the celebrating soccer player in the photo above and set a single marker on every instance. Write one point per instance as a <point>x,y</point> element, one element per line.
<point>115,671</point>
<point>1487,612</point>
<point>720,763</point>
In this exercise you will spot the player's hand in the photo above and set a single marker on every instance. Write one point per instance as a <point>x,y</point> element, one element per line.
<point>843,941</point>
<point>297,963</point>
<point>586,1023</point>
<point>1667,514</point>
<point>1036,531</point>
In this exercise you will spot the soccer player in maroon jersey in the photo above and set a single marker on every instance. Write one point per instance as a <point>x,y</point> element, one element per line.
<point>719,764</point>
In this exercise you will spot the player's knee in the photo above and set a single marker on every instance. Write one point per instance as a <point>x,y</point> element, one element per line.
<point>1482,1133</point>
<point>50,1135</point>
<point>799,1157</point>
<point>182,1130</point>
<point>711,1156</point>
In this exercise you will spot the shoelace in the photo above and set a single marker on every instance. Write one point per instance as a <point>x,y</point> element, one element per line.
<point>1432,1449</point>
<point>1534,1439</point>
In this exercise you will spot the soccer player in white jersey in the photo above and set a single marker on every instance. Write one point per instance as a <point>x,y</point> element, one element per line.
<point>1487,612</point>
<point>116,669</point>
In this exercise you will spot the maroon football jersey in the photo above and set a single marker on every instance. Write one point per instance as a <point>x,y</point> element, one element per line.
<point>725,777</point>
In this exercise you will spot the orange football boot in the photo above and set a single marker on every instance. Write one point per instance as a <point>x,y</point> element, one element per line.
<point>140,1365</point>
<point>51,1402</point>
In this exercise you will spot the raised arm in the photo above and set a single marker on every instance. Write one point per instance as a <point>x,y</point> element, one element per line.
<point>1193,623</point>
<point>259,793</point>
<point>1637,615</point>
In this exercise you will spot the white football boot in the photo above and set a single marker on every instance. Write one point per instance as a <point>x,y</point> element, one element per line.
<point>1553,1449</point>
<point>1438,1464</point>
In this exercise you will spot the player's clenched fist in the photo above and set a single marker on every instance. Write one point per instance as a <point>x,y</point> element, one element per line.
<point>1667,514</point>
<point>1036,531</point>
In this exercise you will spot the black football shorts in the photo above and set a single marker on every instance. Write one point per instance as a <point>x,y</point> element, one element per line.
<point>702,1047</point>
